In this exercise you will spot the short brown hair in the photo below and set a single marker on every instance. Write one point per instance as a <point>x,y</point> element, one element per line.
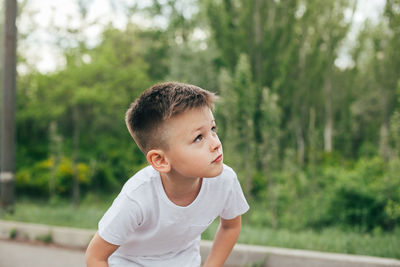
<point>157,104</point>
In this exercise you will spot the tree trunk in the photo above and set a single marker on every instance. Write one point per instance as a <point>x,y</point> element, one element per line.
<point>52,179</point>
<point>328,130</point>
<point>8,129</point>
<point>248,178</point>
<point>258,74</point>
<point>300,145</point>
<point>312,139</point>
<point>55,154</point>
<point>75,153</point>
<point>384,150</point>
<point>384,140</point>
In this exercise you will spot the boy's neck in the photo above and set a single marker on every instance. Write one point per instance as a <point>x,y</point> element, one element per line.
<point>181,191</point>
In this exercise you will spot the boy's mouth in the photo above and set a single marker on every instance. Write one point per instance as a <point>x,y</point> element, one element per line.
<point>217,159</point>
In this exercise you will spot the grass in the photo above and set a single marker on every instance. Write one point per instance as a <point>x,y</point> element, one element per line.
<point>379,244</point>
<point>60,212</point>
<point>87,215</point>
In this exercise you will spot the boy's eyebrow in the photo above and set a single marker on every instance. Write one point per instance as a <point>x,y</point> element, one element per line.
<point>201,127</point>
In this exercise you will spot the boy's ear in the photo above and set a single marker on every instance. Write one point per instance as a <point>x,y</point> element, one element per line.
<point>157,159</point>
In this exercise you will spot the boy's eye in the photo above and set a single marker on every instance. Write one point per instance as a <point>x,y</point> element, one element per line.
<point>214,129</point>
<point>198,138</point>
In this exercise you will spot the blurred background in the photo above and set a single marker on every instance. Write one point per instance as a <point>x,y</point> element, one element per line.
<point>309,114</point>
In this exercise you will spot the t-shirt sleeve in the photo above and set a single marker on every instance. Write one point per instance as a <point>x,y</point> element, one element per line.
<point>236,203</point>
<point>120,220</point>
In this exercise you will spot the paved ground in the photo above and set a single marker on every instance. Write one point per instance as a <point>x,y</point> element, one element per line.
<point>18,254</point>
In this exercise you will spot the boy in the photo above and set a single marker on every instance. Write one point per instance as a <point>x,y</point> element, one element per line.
<point>158,217</point>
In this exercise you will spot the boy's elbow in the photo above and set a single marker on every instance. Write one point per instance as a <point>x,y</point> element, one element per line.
<point>90,255</point>
<point>89,259</point>
<point>93,262</point>
<point>94,257</point>
<point>98,252</point>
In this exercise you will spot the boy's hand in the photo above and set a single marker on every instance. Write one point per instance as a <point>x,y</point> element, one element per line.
<point>98,252</point>
<point>225,238</point>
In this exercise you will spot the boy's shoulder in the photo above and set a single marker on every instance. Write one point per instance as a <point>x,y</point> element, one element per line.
<point>140,181</point>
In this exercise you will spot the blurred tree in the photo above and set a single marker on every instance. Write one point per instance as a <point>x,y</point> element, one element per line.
<point>189,63</point>
<point>1,41</point>
<point>395,127</point>
<point>190,52</point>
<point>263,30</point>
<point>292,47</point>
<point>388,64</point>
<point>364,104</point>
<point>336,29</point>
<point>395,132</point>
<point>87,96</point>
<point>377,59</point>
<point>241,119</point>
<point>302,133</point>
<point>237,109</point>
<point>55,151</point>
<point>156,53</point>
<point>269,151</point>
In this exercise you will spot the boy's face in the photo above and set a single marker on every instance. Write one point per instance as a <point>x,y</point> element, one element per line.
<point>194,147</point>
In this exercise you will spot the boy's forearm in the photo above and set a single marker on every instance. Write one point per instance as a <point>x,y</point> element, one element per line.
<point>98,252</point>
<point>224,241</point>
<point>96,264</point>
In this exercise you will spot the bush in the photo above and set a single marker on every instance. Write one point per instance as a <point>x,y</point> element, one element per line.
<point>46,177</point>
<point>367,196</point>
<point>363,195</point>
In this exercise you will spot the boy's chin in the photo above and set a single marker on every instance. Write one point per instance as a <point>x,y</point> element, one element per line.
<point>216,173</point>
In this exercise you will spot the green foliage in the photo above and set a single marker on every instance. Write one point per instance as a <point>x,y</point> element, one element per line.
<point>356,199</point>
<point>62,115</point>
<point>364,197</point>
<point>395,132</point>
<point>331,239</point>
<point>47,238</point>
<point>236,113</point>
<point>188,58</point>
<point>274,65</point>
<point>13,234</point>
<point>60,212</point>
<point>37,179</point>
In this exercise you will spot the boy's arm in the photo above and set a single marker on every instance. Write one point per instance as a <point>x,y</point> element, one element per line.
<point>98,252</point>
<point>225,238</point>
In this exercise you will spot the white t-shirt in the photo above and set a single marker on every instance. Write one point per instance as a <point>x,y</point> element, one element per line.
<point>153,231</point>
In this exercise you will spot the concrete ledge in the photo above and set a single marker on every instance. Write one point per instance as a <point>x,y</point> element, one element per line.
<point>242,255</point>
<point>280,257</point>
<point>65,236</point>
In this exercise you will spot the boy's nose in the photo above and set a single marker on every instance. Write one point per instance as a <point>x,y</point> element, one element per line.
<point>215,142</point>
